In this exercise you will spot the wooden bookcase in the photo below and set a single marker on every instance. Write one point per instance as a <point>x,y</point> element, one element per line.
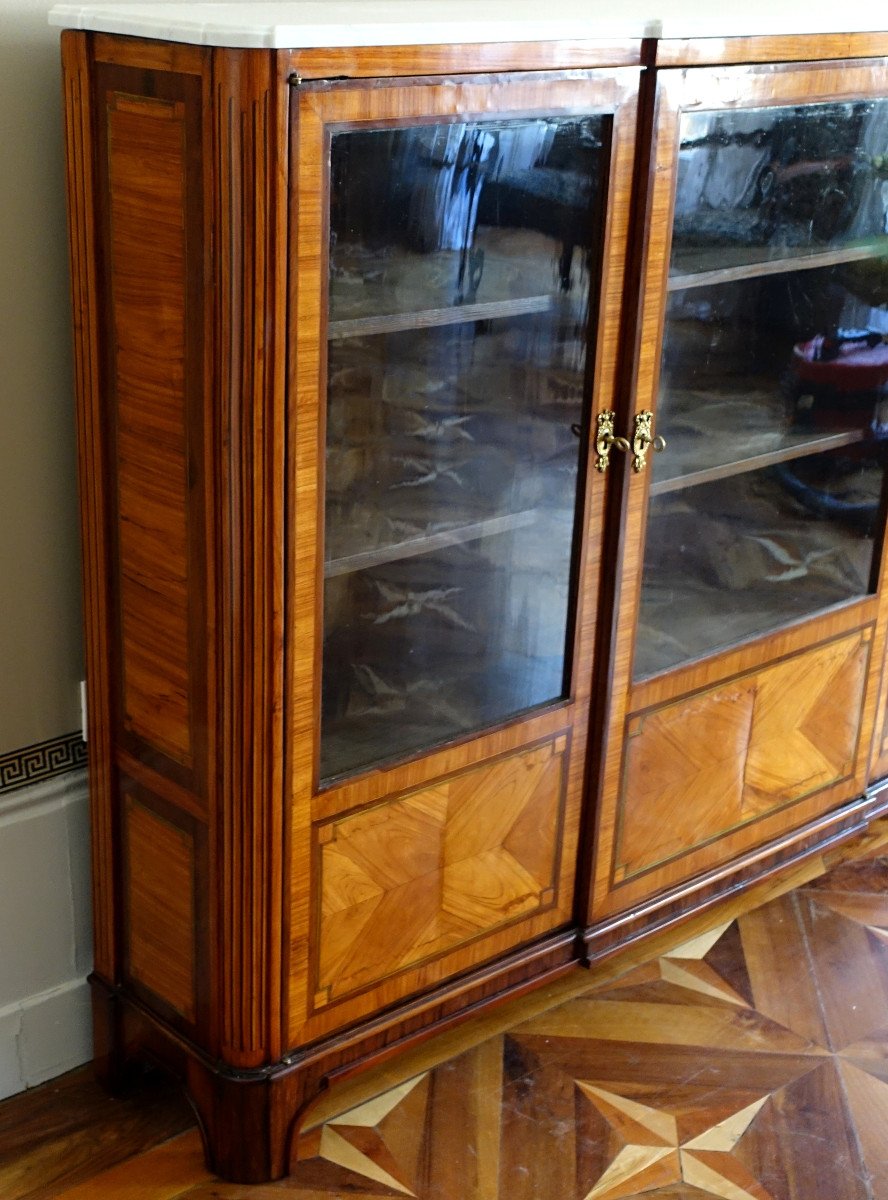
<point>410,687</point>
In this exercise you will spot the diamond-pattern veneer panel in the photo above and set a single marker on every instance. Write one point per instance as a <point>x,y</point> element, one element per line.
<point>709,762</point>
<point>422,873</point>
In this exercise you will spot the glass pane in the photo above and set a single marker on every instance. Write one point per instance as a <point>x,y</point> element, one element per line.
<point>461,268</point>
<point>774,379</point>
<point>769,183</point>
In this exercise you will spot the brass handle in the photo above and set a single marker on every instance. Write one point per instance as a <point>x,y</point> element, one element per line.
<point>605,440</point>
<point>643,439</point>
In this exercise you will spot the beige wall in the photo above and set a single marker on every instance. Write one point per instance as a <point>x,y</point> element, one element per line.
<point>40,643</point>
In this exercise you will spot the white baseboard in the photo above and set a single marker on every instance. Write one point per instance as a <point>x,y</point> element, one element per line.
<point>45,1036</point>
<point>45,931</point>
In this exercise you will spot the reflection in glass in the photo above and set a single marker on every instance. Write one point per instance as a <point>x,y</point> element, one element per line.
<point>774,378</point>
<point>461,267</point>
<point>770,183</point>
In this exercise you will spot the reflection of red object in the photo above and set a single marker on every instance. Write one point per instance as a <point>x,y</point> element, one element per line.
<point>845,364</point>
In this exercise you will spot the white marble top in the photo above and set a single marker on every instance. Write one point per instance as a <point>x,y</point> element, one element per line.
<point>313,23</point>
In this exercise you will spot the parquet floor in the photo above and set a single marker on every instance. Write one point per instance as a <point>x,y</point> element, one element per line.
<point>748,1063</point>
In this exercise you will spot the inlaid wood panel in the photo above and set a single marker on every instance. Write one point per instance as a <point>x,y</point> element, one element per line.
<point>151,207</point>
<point>147,251</point>
<point>422,874</point>
<point>161,907</point>
<point>698,767</point>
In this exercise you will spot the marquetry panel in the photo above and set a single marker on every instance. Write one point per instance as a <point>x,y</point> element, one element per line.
<point>147,252</point>
<point>159,875</point>
<point>154,337</point>
<point>422,874</point>
<point>699,767</point>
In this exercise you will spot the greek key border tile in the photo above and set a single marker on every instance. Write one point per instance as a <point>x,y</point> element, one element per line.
<point>18,768</point>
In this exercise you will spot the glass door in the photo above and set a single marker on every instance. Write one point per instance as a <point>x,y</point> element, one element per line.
<point>761,508</point>
<point>459,250</point>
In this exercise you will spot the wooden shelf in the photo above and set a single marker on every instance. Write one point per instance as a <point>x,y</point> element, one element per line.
<point>775,266</point>
<point>756,462</point>
<point>428,543</point>
<point>432,317</point>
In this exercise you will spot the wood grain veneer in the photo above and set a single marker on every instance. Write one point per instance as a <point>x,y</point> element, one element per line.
<point>152,251</point>
<point>250,164</point>
<point>159,867</point>
<point>740,750</point>
<point>879,765</point>
<point>800,47</point>
<point>387,61</point>
<point>147,262</point>
<point>421,874</point>
<point>166,57</point>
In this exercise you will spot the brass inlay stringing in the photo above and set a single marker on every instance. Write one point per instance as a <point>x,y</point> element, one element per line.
<point>643,439</point>
<point>605,439</point>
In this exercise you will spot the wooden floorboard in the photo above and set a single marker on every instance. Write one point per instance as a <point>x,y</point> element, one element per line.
<point>69,1130</point>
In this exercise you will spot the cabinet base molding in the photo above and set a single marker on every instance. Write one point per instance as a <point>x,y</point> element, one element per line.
<point>271,1102</point>
<point>666,909</point>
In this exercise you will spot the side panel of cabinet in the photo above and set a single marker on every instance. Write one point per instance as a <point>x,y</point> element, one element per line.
<point>137,213</point>
<point>730,741</point>
<point>177,189</point>
<point>415,871</point>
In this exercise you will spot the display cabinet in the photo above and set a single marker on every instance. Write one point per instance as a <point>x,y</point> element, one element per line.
<point>482,474</point>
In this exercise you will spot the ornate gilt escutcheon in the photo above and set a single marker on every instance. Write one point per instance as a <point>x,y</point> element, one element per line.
<point>605,439</point>
<point>643,439</point>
